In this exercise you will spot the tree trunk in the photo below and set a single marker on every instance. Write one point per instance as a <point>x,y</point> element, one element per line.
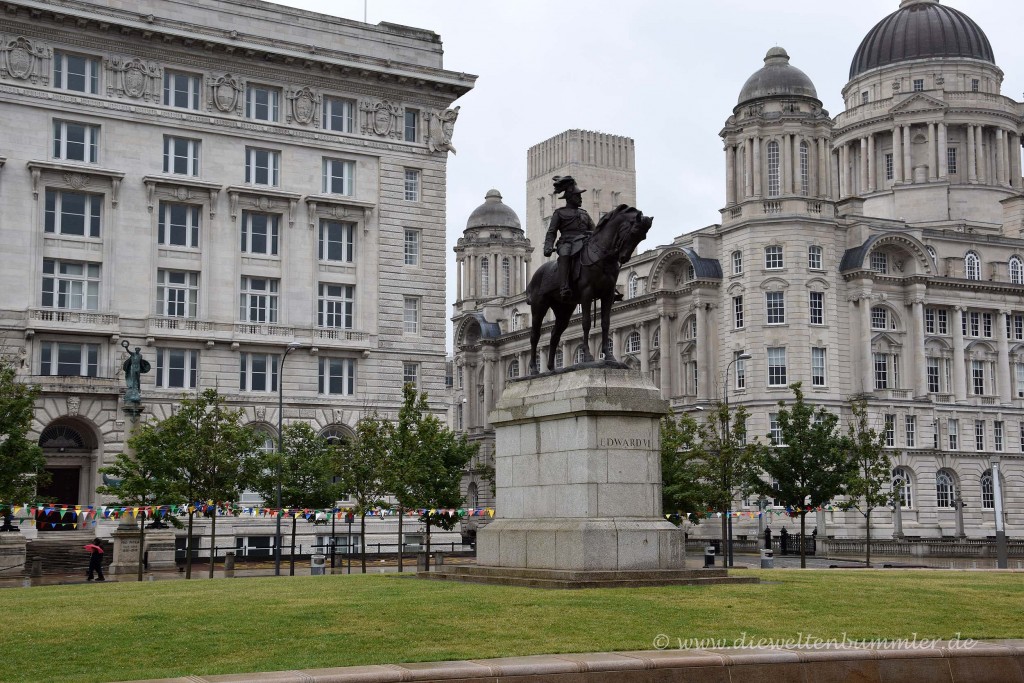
<point>213,540</point>
<point>362,540</point>
<point>401,546</point>
<point>725,538</point>
<point>142,542</point>
<point>867,517</point>
<point>188,545</point>
<point>428,540</point>
<point>291,554</point>
<point>803,531</point>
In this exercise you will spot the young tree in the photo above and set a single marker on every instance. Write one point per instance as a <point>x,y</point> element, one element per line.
<point>306,469</point>
<point>870,478</point>
<point>810,463</point>
<point>360,465</point>
<point>211,456</point>
<point>21,460</point>
<point>681,455</point>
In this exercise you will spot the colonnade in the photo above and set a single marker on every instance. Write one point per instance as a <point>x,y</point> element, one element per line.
<point>746,172</point>
<point>469,275</point>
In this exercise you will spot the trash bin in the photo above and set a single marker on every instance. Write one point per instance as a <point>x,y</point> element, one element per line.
<point>709,556</point>
<point>316,564</point>
<point>767,559</point>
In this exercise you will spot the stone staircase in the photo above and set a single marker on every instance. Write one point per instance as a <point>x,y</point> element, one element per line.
<point>555,578</point>
<point>62,552</point>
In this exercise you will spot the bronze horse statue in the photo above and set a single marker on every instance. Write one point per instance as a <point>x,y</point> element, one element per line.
<point>593,274</point>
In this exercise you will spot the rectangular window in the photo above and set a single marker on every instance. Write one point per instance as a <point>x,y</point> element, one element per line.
<point>337,376</point>
<point>953,431</point>
<point>775,305</point>
<point>774,429</point>
<point>864,97</point>
<point>411,373</point>
<point>929,321</point>
<point>177,293</point>
<point>71,286</point>
<point>262,166</point>
<point>1020,379</point>
<point>777,366</point>
<point>339,177</point>
<point>177,368</point>
<point>881,370</point>
<point>257,372</point>
<point>262,103</point>
<point>258,300</point>
<point>411,124</point>
<point>69,360</point>
<point>910,430</point>
<point>975,85</point>
<point>817,308</point>
<point>181,156</point>
<point>986,325</point>
<point>737,311</point>
<point>890,430</point>
<point>737,263</point>
<point>997,435</point>
<point>412,185</point>
<point>75,72</point>
<point>260,233</point>
<point>182,90</point>
<point>336,306</point>
<point>178,225</point>
<point>978,377</point>
<point>814,257</point>
<point>73,213</point>
<point>741,372</point>
<point>817,367</point>
<point>337,241</point>
<point>951,159</point>
<point>889,172</point>
<point>879,318</point>
<point>411,315</point>
<point>773,257</point>
<point>918,84</point>
<point>74,141</point>
<point>943,320</point>
<point>933,375</point>
<point>979,435</point>
<point>975,324</point>
<point>880,262</point>
<point>412,247</point>
<point>1020,428</point>
<point>339,114</point>
<point>1018,327</point>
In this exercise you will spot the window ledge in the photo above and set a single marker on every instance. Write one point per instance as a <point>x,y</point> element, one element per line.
<point>338,206</point>
<point>180,188</point>
<point>263,198</point>
<point>75,176</point>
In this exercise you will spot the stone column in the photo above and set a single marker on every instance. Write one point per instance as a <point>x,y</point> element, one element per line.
<point>1001,171</point>
<point>470,392</point>
<point>863,189</point>
<point>933,153</point>
<point>868,366</point>
<point>1003,373</point>
<point>897,154</point>
<point>489,359</point>
<point>703,335</point>
<point>527,271</point>
<point>645,352</point>
<point>730,175</point>
<point>943,152</point>
<point>798,176</point>
<point>979,146</point>
<point>872,165</point>
<point>908,161</point>
<point>748,164</point>
<point>758,190</point>
<point>471,275</point>
<point>972,157</point>
<point>824,174</point>
<point>787,164</point>
<point>459,265</point>
<point>667,359</point>
<point>920,361</point>
<point>1015,171</point>
<point>844,190</point>
<point>959,366</point>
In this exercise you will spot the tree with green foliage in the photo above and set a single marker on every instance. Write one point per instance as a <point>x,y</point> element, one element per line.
<point>681,490</point>
<point>361,468</point>
<point>306,465</point>
<point>869,484</point>
<point>810,463</point>
<point>22,465</point>
<point>211,457</point>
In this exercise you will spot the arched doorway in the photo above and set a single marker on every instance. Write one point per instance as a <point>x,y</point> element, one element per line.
<point>69,448</point>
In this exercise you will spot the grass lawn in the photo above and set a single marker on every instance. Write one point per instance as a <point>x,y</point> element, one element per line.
<point>123,631</point>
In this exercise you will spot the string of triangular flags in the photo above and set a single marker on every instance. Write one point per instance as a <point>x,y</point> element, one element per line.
<point>75,514</point>
<point>788,511</point>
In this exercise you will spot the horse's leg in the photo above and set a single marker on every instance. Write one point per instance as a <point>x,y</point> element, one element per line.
<point>562,315</point>
<point>586,303</point>
<point>606,323</point>
<point>538,310</point>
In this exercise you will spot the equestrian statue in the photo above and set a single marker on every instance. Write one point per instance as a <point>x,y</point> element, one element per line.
<point>589,259</point>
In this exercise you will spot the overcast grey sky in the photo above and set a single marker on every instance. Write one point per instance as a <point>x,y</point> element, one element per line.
<point>666,73</point>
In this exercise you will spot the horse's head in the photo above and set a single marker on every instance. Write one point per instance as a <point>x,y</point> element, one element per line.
<point>632,233</point>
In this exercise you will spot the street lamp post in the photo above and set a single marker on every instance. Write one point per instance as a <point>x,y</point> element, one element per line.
<point>280,452</point>
<point>727,551</point>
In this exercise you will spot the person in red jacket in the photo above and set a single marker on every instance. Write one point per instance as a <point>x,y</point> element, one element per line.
<point>95,560</point>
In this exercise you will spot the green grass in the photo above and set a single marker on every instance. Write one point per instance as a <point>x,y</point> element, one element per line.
<point>126,631</point>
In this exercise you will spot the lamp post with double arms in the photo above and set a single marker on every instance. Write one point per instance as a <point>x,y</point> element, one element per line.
<point>727,523</point>
<point>280,453</point>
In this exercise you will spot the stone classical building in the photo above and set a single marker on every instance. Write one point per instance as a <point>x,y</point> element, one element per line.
<point>876,253</point>
<point>213,181</point>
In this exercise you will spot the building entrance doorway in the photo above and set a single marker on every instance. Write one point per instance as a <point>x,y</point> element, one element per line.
<point>63,490</point>
<point>69,448</point>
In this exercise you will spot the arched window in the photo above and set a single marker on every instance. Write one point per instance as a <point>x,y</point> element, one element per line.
<point>514,320</point>
<point>656,339</point>
<point>972,266</point>
<point>485,276</point>
<point>559,358</point>
<point>577,357</point>
<point>881,319</point>
<point>334,435</point>
<point>633,342</point>
<point>506,276</point>
<point>633,288</point>
<point>935,257</point>
<point>945,491</point>
<point>773,169</point>
<point>805,170</point>
<point>61,437</point>
<point>988,493</point>
<point>472,495</point>
<point>691,274</point>
<point>902,486</point>
<point>513,368</point>
<point>1016,270</point>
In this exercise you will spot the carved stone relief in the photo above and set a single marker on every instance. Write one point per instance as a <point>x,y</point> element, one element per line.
<point>261,413</point>
<point>73,404</point>
<point>133,78</point>
<point>225,94</point>
<point>440,126</point>
<point>24,61</point>
<point>305,107</point>
<point>380,118</point>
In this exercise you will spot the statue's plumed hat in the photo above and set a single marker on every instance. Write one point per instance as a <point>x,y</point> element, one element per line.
<point>565,184</point>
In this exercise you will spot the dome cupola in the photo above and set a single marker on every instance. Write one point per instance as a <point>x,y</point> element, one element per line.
<point>493,214</point>
<point>777,78</point>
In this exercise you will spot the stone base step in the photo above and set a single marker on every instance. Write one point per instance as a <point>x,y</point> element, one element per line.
<point>555,578</point>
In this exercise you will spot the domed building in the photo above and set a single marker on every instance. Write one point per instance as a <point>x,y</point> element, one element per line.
<point>877,253</point>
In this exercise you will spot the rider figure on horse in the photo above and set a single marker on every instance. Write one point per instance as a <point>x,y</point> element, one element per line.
<point>572,224</point>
